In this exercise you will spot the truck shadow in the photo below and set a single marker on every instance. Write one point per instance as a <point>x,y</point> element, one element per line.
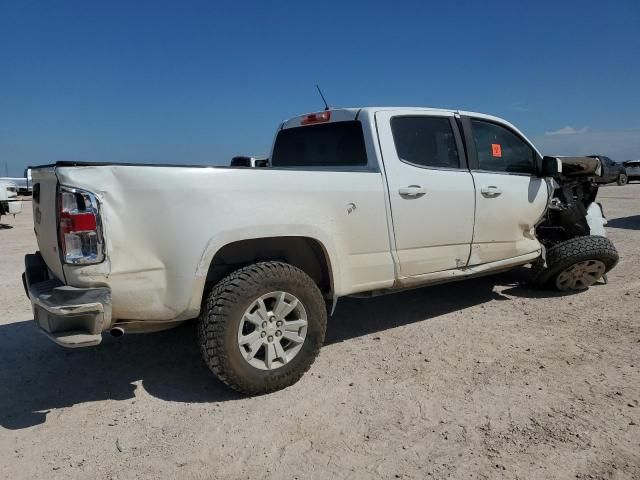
<point>628,223</point>
<point>356,317</point>
<point>37,376</point>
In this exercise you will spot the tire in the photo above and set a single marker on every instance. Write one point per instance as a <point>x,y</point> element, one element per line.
<point>225,314</point>
<point>593,254</point>
<point>622,179</point>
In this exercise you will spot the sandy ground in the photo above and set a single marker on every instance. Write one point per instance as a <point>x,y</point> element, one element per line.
<point>481,379</point>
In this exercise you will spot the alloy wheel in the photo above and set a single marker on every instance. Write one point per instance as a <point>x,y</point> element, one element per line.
<point>580,275</point>
<point>272,330</point>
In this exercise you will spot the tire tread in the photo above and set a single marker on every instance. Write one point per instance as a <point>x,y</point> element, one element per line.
<point>215,315</point>
<point>577,249</point>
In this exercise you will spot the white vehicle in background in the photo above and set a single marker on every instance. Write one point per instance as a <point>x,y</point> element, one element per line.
<point>10,204</point>
<point>23,185</point>
<point>351,201</point>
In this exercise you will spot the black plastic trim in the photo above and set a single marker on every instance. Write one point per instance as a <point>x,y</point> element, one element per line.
<point>66,163</point>
<point>462,151</point>
<point>364,168</point>
<point>470,145</point>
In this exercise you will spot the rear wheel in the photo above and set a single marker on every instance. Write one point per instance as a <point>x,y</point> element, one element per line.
<point>262,327</point>
<point>576,264</point>
<point>622,179</point>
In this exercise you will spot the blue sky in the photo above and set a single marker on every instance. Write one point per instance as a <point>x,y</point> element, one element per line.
<point>201,81</point>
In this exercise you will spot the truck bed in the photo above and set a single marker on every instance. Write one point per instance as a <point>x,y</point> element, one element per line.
<point>162,225</point>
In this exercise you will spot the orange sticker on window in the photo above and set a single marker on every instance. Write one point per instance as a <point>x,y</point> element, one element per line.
<point>496,150</point>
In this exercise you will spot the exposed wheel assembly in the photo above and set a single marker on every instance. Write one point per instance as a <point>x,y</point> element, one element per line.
<point>576,264</point>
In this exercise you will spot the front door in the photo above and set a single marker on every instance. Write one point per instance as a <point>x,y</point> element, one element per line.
<point>431,190</point>
<point>510,198</point>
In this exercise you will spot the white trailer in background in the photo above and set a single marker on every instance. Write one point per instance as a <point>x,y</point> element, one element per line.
<point>23,183</point>
<point>10,204</point>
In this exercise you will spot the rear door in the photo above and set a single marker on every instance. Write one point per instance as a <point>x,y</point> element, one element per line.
<point>431,191</point>
<point>510,198</point>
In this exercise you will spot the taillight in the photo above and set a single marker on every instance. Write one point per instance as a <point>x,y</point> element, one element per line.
<point>79,226</point>
<point>319,117</point>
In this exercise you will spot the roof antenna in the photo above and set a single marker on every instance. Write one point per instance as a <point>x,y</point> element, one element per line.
<point>326,105</point>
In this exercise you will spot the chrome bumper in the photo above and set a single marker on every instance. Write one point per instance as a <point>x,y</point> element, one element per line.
<point>72,317</point>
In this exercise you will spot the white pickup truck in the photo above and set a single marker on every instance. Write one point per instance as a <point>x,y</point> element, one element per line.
<point>350,201</point>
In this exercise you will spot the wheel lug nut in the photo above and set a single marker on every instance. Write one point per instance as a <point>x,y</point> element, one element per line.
<point>263,334</point>
<point>264,324</point>
<point>270,338</point>
<point>278,333</point>
<point>279,323</point>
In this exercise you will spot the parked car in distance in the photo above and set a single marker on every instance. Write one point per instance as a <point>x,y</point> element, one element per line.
<point>10,204</point>
<point>253,162</point>
<point>611,171</point>
<point>632,168</point>
<point>352,201</point>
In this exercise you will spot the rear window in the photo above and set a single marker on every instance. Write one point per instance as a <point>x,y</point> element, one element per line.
<point>339,144</point>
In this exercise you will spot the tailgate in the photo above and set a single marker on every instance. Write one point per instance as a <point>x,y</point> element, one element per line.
<point>45,222</point>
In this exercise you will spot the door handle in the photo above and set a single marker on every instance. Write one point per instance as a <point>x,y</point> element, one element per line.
<point>412,191</point>
<point>491,191</point>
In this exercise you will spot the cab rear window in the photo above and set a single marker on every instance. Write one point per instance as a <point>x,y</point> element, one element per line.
<point>338,144</point>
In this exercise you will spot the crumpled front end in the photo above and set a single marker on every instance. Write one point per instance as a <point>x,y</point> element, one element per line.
<point>573,210</point>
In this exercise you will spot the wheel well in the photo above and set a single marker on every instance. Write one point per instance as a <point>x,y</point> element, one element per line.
<point>305,253</point>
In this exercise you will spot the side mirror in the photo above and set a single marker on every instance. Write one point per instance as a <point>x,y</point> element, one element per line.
<point>550,167</point>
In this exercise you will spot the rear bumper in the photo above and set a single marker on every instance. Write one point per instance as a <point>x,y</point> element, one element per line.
<point>71,317</point>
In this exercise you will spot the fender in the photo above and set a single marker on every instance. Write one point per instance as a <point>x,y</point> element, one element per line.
<point>222,239</point>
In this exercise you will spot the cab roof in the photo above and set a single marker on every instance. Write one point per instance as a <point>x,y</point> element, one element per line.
<point>367,116</point>
<point>353,113</point>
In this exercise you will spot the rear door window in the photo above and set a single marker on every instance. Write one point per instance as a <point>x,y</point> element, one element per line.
<point>338,144</point>
<point>425,141</point>
<point>501,150</point>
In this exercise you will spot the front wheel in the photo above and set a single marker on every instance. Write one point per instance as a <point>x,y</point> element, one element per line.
<point>622,179</point>
<point>576,264</point>
<point>262,327</point>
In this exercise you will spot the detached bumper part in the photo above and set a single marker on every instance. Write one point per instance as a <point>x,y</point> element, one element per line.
<point>596,220</point>
<point>71,317</point>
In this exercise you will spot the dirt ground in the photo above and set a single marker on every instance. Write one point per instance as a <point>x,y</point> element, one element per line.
<point>480,379</point>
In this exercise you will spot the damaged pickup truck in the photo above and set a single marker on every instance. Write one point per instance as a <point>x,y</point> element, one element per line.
<point>357,201</point>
